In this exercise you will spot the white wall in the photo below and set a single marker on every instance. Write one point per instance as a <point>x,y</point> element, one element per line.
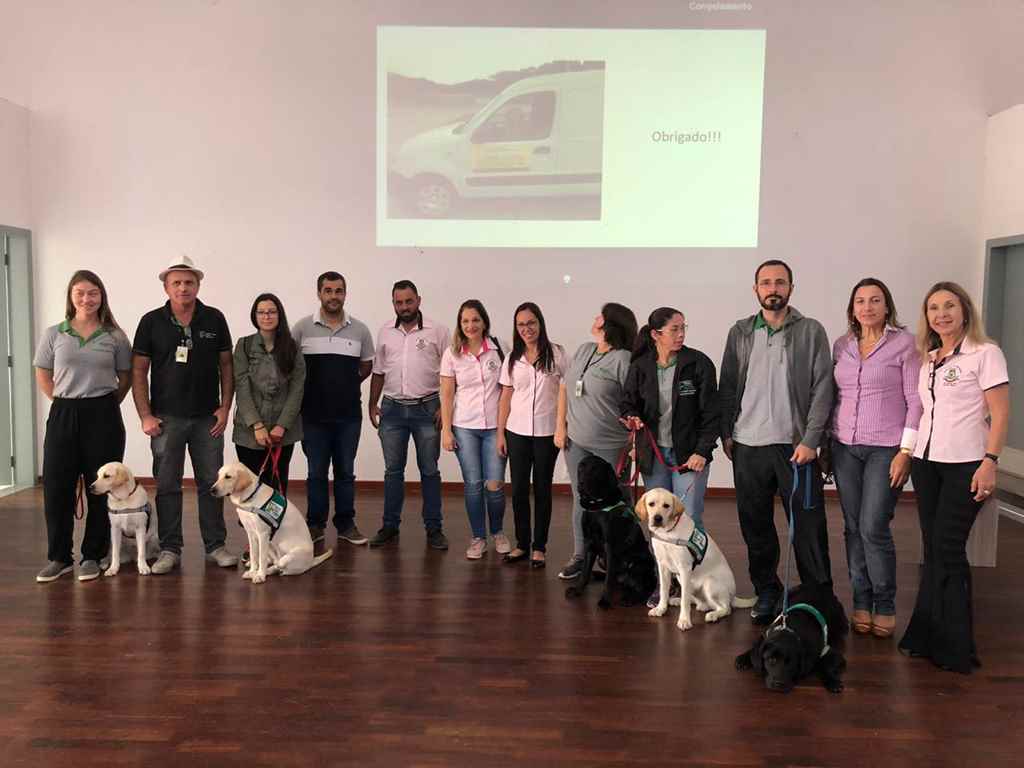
<point>14,165</point>
<point>243,133</point>
<point>1004,174</point>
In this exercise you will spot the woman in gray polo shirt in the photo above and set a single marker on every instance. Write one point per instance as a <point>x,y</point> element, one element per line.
<point>588,407</point>
<point>83,364</point>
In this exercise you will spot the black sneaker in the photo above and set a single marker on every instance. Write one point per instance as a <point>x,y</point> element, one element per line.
<point>316,533</point>
<point>436,539</point>
<point>571,570</point>
<point>353,536</point>
<point>764,610</point>
<point>383,536</point>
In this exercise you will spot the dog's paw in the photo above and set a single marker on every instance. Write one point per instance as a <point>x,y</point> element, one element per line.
<point>258,578</point>
<point>674,601</point>
<point>248,574</point>
<point>111,571</point>
<point>145,570</point>
<point>682,625</point>
<point>604,603</point>
<point>657,611</point>
<point>743,662</point>
<point>573,592</point>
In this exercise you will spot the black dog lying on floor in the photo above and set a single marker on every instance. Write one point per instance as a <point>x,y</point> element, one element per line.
<point>788,652</point>
<point>612,532</point>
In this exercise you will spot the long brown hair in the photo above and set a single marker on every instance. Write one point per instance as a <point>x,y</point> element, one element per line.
<point>106,317</point>
<point>459,339</point>
<point>927,339</point>
<point>890,307</point>
<point>285,348</point>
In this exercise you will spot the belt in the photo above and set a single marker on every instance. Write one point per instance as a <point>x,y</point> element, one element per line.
<point>413,400</point>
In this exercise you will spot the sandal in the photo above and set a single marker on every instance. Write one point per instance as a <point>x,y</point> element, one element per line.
<point>884,629</point>
<point>861,622</point>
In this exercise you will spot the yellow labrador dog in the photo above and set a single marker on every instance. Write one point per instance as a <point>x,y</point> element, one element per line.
<point>131,516</point>
<point>691,555</point>
<point>279,540</point>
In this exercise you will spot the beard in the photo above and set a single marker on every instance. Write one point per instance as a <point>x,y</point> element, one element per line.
<point>407,317</point>
<point>773,302</point>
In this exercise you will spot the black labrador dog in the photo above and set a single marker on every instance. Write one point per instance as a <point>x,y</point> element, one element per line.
<point>612,532</point>
<point>788,652</point>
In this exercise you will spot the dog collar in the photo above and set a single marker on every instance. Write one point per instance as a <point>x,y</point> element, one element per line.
<point>697,544</point>
<point>626,512</point>
<point>779,627</point>
<point>144,508</point>
<point>254,492</point>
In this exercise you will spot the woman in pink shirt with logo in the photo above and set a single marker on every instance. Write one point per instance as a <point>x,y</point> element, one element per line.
<point>874,426</point>
<point>470,369</point>
<point>527,414</point>
<point>965,391</point>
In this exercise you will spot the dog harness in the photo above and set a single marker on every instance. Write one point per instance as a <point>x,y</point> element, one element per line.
<point>697,544</point>
<point>147,508</point>
<point>271,511</point>
<point>779,625</point>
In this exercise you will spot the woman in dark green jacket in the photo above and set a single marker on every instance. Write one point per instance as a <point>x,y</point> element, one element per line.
<point>671,396</point>
<point>269,378</point>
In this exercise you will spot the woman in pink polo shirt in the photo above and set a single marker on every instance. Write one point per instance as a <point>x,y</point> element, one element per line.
<point>526,427</point>
<point>874,425</point>
<point>470,369</point>
<point>963,386</point>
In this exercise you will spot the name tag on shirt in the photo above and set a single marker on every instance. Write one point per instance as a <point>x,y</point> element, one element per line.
<point>181,354</point>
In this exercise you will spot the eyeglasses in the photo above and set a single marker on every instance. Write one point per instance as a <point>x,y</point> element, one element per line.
<point>266,313</point>
<point>675,330</point>
<point>527,325</point>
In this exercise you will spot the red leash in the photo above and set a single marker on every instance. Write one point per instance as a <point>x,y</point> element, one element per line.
<point>80,500</point>
<point>272,457</point>
<point>631,449</point>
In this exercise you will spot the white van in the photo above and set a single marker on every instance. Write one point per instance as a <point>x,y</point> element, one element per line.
<point>540,137</point>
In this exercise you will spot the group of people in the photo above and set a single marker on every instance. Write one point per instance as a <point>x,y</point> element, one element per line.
<point>875,408</point>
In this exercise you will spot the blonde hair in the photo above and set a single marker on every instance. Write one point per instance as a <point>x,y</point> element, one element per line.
<point>974,329</point>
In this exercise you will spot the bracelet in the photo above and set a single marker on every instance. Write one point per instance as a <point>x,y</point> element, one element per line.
<point>907,451</point>
<point>259,425</point>
<point>994,457</point>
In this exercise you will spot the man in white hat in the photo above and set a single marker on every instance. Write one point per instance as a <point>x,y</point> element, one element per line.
<point>183,349</point>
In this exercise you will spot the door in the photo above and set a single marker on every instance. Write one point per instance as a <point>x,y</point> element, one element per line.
<point>511,152</point>
<point>6,402</point>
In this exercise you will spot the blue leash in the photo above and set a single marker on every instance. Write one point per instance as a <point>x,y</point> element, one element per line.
<point>808,479</point>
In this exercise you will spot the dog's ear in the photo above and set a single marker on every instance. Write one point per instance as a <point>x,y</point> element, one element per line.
<point>678,508</point>
<point>125,475</point>
<point>243,478</point>
<point>641,509</point>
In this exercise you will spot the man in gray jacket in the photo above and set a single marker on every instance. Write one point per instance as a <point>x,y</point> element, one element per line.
<point>776,397</point>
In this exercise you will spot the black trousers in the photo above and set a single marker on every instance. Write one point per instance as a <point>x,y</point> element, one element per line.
<point>536,456</point>
<point>760,473</point>
<point>942,625</point>
<point>81,436</point>
<point>253,459</point>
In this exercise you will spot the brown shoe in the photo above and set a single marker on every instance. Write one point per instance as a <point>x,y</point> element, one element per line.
<point>883,626</point>
<point>861,622</point>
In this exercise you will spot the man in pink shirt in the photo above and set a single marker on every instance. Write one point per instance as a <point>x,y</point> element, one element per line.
<point>406,371</point>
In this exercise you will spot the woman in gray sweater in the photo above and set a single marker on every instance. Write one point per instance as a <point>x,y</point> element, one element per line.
<point>270,375</point>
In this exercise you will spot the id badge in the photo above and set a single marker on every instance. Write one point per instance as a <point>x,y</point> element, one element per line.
<point>181,354</point>
<point>579,387</point>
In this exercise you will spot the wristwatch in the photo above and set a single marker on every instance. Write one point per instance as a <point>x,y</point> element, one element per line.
<point>993,457</point>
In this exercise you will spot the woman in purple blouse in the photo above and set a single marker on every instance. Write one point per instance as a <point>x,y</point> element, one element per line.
<point>874,428</point>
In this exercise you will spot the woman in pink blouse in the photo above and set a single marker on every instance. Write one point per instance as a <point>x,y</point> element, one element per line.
<point>874,426</point>
<point>526,426</point>
<point>965,391</point>
<point>470,368</point>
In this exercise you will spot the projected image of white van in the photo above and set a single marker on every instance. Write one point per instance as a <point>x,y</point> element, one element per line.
<point>533,151</point>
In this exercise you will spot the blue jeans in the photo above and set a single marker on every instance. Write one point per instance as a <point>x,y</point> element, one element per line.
<point>397,423</point>
<point>478,457</point>
<point>326,443</point>
<point>207,453</point>
<point>688,486</point>
<point>574,454</point>
<point>868,502</point>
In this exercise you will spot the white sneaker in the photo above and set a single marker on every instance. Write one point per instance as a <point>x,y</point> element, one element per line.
<point>501,544</point>
<point>476,550</point>
<point>222,557</point>
<point>166,563</point>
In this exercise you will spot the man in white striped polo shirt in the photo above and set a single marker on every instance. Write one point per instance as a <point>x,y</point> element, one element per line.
<point>338,351</point>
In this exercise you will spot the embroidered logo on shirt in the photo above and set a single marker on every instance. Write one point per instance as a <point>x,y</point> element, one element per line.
<point>687,388</point>
<point>421,344</point>
<point>492,365</point>
<point>952,376</point>
<point>207,335</point>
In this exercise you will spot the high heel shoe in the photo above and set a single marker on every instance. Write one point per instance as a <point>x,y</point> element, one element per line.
<point>511,557</point>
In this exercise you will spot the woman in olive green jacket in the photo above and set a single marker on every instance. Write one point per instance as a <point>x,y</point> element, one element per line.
<point>270,375</point>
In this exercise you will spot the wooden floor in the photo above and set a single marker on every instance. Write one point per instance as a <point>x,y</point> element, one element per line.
<point>411,657</point>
